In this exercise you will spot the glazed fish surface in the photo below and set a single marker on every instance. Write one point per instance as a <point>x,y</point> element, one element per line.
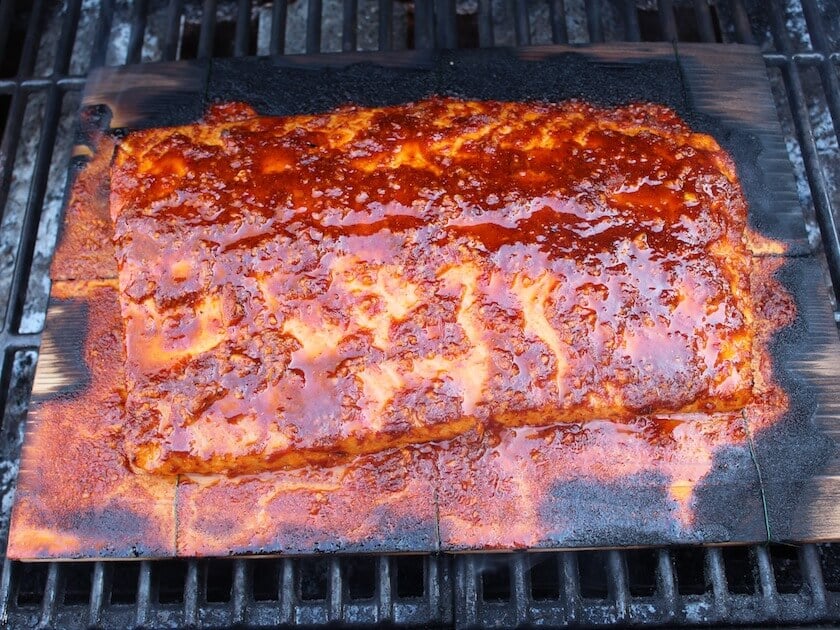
<point>299,290</point>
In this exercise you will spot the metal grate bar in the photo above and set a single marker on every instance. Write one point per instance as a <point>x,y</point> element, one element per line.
<point>767,581</point>
<point>666,583</point>
<point>423,25</point>
<point>828,74</point>
<point>208,27</point>
<point>521,22</point>
<point>278,27</point>
<point>97,594</point>
<point>138,28</point>
<point>173,30</point>
<point>801,120</point>
<point>557,16</point>
<point>716,574</point>
<point>9,145</point>
<point>667,20</point>
<point>6,587</point>
<point>17,341</point>
<point>287,591</point>
<point>632,33</point>
<point>239,592</point>
<point>386,25</point>
<point>30,43</point>
<point>349,26</point>
<point>703,15</point>
<point>485,24</point>
<point>6,361</point>
<point>65,43</point>
<point>242,38</point>
<point>144,588</point>
<point>313,27</point>
<point>520,593</point>
<point>593,21</point>
<point>384,594</point>
<point>742,22</point>
<point>447,34</point>
<point>571,588</point>
<point>617,582</point>
<point>51,593</point>
<point>191,593</point>
<point>335,591</point>
<point>436,585</point>
<point>103,31</point>
<point>9,86</point>
<point>816,31</point>
<point>810,562</point>
<point>804,60</point>
<point>32,212</point>
<point>466,605</point>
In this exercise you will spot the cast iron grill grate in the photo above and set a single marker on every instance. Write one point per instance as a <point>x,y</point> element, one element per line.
<point>46,50</point>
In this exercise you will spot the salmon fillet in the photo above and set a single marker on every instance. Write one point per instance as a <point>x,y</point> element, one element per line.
<point>296,290</point>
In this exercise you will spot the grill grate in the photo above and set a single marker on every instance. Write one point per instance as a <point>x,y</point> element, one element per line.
<point>46,50</point>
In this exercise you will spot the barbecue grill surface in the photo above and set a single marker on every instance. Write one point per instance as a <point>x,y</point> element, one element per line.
<point>40,84</point>
<point>722,93</point>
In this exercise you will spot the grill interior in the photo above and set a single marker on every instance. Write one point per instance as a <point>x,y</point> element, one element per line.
<point>46,50</point>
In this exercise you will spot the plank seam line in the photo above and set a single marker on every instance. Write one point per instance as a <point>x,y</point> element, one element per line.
<point>754,457</point>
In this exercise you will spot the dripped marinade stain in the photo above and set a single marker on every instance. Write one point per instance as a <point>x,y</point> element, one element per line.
<point>297,290</point>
